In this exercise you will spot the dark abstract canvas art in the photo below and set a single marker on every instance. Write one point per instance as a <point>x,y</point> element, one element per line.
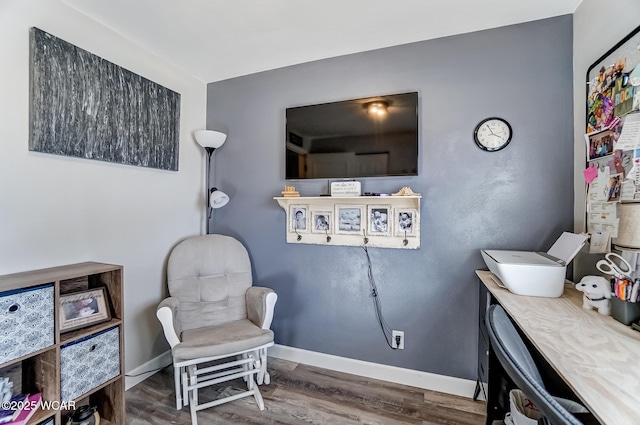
<point>87,107</point>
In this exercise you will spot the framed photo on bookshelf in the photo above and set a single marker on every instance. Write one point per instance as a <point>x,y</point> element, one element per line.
<point>321,222</point>
<point>349,219</point>
<point>85,308</point>
<point>406,222</point>
<point>299,218</point>
<point>379,223</point>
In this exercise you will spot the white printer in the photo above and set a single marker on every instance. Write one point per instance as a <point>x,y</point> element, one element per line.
<point>536,274</point>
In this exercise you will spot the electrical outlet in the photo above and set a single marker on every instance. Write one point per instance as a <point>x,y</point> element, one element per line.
<point>397,339</point>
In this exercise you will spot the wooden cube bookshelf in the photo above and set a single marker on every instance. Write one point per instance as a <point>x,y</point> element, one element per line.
<point>40,370</point>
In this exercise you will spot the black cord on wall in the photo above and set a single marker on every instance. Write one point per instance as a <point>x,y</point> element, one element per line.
<point>386,330</point>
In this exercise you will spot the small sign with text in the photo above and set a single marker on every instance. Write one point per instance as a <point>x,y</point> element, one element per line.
<point>345,188</point>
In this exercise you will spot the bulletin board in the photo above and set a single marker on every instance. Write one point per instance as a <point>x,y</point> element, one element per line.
<point>612,136</point>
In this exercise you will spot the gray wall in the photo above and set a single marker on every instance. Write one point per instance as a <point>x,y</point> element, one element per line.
<point>518,198</point>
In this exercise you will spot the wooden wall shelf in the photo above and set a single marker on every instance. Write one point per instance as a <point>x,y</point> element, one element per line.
<point>376,221</point>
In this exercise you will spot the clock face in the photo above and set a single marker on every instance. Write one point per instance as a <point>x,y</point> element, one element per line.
<point>492,134</point>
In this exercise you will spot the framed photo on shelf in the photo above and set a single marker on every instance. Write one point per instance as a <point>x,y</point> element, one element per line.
<point>406,222</point>
<point>349,219</point>
<point>379,223</point>
<point>85,308</point>
<point>321,222</point>
<point>299,218</point>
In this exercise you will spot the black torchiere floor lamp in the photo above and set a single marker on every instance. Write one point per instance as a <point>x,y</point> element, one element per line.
<point>211,140</point>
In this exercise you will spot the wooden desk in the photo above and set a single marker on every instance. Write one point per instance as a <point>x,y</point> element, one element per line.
<point>598,357</point>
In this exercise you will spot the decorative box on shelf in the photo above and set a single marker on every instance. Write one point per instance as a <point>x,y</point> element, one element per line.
<point>376,221</point>
<point>27,317</point>
<point>88,363</point>
<point>290,192</point>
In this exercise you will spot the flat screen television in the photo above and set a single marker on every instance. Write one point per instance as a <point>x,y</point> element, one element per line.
<point>368,137</point>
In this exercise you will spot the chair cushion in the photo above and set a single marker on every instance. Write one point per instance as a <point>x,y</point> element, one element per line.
<point>210,275</point>
<point>222,339</point>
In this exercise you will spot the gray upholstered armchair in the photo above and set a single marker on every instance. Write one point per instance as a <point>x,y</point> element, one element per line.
<point>214,313</point>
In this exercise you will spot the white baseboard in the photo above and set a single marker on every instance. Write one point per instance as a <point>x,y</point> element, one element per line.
<point>398,375</point>
<point>153,366</point>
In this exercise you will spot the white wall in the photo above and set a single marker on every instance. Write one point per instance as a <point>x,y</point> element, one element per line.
<point>597,27</point>
<point>57,210</point>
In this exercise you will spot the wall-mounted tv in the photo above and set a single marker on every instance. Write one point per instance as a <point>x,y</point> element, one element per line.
<point>369,137</point>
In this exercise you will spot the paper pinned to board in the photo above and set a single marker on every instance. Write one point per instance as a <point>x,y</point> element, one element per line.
<point>600,242</point>
<point>630,136</point>
<point>601,217</point>
<point>603,185</point>
<point>629,191</point>
<point>590,173</point>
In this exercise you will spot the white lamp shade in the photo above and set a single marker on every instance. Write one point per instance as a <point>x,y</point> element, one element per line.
<point>218,199</point>
<point>210,138</point>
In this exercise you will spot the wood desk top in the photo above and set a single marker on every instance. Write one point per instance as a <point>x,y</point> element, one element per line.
<point>598,357</point>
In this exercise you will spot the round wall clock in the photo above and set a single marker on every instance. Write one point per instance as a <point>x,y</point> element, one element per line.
<point>492,134</point>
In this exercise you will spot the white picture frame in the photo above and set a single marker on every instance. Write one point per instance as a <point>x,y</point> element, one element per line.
<point>349,219</point>
<point>379,220</point>
<point>406,222</point>
<point>299,218</point>
<point>322,222</point>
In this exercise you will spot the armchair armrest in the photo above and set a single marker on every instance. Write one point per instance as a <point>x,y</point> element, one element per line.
<point>260,305</point>
<point>167,313</point>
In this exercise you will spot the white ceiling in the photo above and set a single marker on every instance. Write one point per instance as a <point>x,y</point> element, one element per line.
<point>216,40</point>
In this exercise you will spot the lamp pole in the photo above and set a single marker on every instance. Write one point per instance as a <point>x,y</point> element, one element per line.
<point>206,186</point>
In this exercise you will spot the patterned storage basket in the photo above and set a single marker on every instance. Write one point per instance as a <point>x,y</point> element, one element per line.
<point>88,363</point>
<point>26,321</point>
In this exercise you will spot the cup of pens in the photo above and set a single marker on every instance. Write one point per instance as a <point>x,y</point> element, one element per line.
<point>625,299</point>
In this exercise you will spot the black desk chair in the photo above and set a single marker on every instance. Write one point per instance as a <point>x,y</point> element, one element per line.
<point>518,363</point>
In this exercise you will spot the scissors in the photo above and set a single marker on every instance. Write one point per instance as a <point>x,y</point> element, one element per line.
<point>608,266</point>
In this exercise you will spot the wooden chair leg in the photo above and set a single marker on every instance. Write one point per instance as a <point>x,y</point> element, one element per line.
<point>256,393</point>
<point>192,407</point>
<point>176,380</point>
<point>185,385</point>
<point>193,393</point>
<point>263,376</point>
<point>245,368</point>
<point>193,380</point>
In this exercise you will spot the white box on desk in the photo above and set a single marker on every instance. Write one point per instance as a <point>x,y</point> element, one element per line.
<point>536,274</point>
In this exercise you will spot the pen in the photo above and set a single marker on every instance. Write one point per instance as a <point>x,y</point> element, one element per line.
<point>634,291</point>
<point>627,290</point>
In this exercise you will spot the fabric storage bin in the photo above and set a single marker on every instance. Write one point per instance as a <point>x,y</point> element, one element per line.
<point>26,321</point>
<point>88,363</point>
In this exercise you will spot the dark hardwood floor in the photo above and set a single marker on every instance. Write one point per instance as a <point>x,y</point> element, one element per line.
<point>302,394</point>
